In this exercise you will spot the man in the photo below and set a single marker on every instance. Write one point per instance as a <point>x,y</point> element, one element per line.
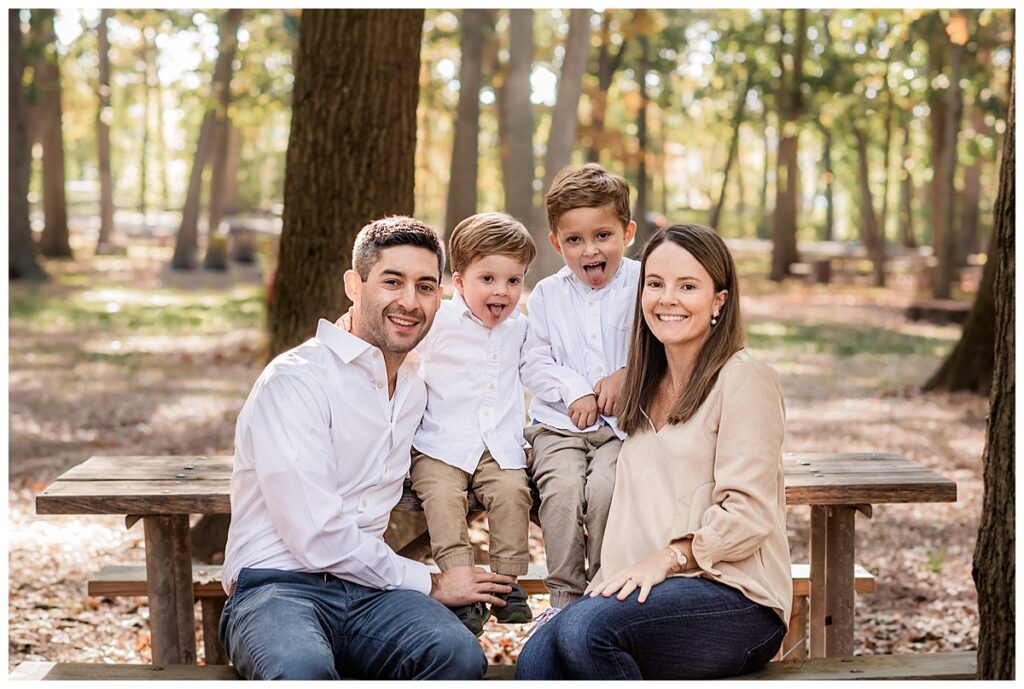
<point>321,454</point>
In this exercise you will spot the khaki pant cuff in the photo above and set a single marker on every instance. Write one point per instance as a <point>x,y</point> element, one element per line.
<point>510,566</point>
<point>456,559</point>
<point>561,599</point>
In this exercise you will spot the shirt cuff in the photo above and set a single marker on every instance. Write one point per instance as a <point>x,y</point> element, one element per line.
<point>417,577</point>
<point>574,390</point>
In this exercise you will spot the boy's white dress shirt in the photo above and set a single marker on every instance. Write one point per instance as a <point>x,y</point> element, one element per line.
<point>321,454</point>
<point>475,399</point>
<point>577,336</point>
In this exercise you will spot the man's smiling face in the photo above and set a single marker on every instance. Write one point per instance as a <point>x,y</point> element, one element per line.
<point>395,306</point>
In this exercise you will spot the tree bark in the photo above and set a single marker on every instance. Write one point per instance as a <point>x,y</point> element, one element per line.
<point>218,176</point>
<point>357,87</point>
<point>994,557</point>
<point>231,203</point>
<point>22,247</point>
<point>607,65</point>
<point>515,125</point>
<point>103,118</point>
<point>187,242</point>
<point>737,121</point>
<point>784,249</point>
<point>970,199</point>
<point>937,49</point>
<point>564,118</point>
<point>55,240</point>
<point>826,162</point>
<point>870,232</point>
<point>906,215</point>
<point>946,245</point>
<point>462,186</point>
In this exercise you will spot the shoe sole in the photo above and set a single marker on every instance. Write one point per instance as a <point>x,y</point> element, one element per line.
<point>515,619</point>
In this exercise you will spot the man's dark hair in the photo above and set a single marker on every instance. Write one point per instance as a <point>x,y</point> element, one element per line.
<point>395,230</point>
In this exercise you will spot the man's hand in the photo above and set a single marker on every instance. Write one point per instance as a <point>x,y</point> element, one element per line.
<point>467,584</point>
<point>583,411</point>
<point>609,393</point>
<point>345,322</point>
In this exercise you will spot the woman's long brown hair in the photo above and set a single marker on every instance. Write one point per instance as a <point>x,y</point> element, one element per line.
<point>647,363</point>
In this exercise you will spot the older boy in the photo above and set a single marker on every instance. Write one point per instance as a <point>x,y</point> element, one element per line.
<point>574,359</point>
<point>471,436</point>
<point>321,452</point>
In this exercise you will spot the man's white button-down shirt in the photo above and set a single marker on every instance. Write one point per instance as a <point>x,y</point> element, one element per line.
<point>475,399</point>
<point>321,454</point>
<point>577,336</point>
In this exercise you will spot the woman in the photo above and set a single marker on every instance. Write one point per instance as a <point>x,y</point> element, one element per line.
<point>695,575</point>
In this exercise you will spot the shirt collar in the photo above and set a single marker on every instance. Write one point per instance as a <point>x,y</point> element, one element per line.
<point>346,345</point>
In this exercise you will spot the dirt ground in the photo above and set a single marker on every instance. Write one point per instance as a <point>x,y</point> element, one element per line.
<point>76,390</point>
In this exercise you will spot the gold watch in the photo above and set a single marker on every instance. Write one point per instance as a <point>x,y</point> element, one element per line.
<point>680,556</point>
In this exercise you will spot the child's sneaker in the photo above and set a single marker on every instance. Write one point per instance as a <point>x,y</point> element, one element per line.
<point>473,616</point>
<point>542,619</point>
<point>516,610</point>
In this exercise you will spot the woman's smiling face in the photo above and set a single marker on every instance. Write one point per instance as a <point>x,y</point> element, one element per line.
<point>679,297</point>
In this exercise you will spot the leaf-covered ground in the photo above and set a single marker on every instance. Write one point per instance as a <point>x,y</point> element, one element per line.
<point>121,356</point>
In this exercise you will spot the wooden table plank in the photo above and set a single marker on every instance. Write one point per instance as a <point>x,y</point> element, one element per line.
<point>135,497</point>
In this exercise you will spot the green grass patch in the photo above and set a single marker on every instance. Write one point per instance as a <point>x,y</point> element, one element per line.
<point>842,340</point>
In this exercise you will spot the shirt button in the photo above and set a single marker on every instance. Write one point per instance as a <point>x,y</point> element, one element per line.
<point>491,386</point>
<point>380,385</point>
<point>365,503</point>
<point>593,336</point>
<point>494,356</point>
<point>376,354</point>
<point>487,413</point>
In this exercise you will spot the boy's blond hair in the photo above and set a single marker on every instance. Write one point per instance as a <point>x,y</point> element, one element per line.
<point>486,234</point>
<point>590,186</point>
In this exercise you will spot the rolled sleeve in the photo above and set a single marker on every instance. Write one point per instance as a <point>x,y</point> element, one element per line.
<point>748,466</point>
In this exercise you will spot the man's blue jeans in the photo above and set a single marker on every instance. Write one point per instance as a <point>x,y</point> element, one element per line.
<point>686,629</point>
<point>294,625</point>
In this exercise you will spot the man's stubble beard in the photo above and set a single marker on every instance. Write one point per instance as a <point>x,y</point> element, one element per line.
<point>374,330</point>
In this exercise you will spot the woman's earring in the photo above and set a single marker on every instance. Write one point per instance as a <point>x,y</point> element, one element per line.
<point>714,319</point>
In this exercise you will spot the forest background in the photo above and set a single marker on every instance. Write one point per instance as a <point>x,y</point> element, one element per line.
<point>850,157</point>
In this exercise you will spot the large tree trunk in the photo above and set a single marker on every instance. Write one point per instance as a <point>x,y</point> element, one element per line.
<point>515,125</point>
<point>870,232</point>
<point>906,214</point>
<point>643,230</point>
<point>103,117</point>
<point>462,185</point>
<point>356,86</point>
<point>55,240</point>
<point>946,245</point>
<point>994,557</point>
<point>564,118</point>
<point>607,65</point>
<point>22,247</point>
<point>737,121</point>
<point>784,251</point>
<point>187,242</point>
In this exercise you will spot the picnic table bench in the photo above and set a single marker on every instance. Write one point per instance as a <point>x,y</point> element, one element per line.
<point>164,491</point>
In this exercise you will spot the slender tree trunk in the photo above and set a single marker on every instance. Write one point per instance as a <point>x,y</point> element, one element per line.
<point>215,255</point>
<point>784,249</point>
<point>737,121</point>
<point>462,186</point>
<point>232,203</point>
<point>970,199</point>
<point>165,187</point>
<point>826,161</point>
<point>763,215</point>
<point>147,96</point>
<point>55,240</point>
<point>870,232</point>
<point>937,50</point>
<point>515,124</point>
<point>187,241</point>
<point>607,65</point>
<point>103,118</point>
<point>995,564</point>
<point>564,119</point>
<point>357,86</point>
<point>663,167</point>
<point>643,230</point>
<point>22,248</point>
<point>947,247</point>
<point>886,146</point>
<point>906,192</point>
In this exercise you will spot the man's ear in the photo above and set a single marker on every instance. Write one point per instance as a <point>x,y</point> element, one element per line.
<point>554,242</point>
<point>630,232</point>
<point>353,286</point>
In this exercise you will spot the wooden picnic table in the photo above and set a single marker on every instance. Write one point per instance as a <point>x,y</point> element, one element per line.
<point>164,491</point>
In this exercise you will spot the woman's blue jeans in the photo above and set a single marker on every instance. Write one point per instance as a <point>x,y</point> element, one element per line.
<point>686,629</point>
<point>294,625</point>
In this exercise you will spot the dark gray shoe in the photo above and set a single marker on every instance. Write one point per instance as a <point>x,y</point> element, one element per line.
<point>473,616</point>
<point>516,609</point>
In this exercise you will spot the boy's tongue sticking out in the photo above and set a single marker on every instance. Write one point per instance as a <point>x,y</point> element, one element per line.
<point>595,272</point>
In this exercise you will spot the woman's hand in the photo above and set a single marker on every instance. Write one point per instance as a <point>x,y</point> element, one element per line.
<point>644,575</point>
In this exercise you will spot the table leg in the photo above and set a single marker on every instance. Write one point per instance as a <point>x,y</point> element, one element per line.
<point>169,578</point>
<point>832,580</point>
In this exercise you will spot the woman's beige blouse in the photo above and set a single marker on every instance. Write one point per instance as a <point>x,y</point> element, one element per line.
<point>717,478</point>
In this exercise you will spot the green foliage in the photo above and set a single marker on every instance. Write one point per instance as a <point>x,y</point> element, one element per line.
<point>843,340</point>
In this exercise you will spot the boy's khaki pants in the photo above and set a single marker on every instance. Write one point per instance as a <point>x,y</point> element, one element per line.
<point>575,474</point>
<point>505,494</point>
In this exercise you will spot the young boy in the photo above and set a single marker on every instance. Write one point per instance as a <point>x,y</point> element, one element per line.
<point>471,436</point>
<point>573,362</point>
